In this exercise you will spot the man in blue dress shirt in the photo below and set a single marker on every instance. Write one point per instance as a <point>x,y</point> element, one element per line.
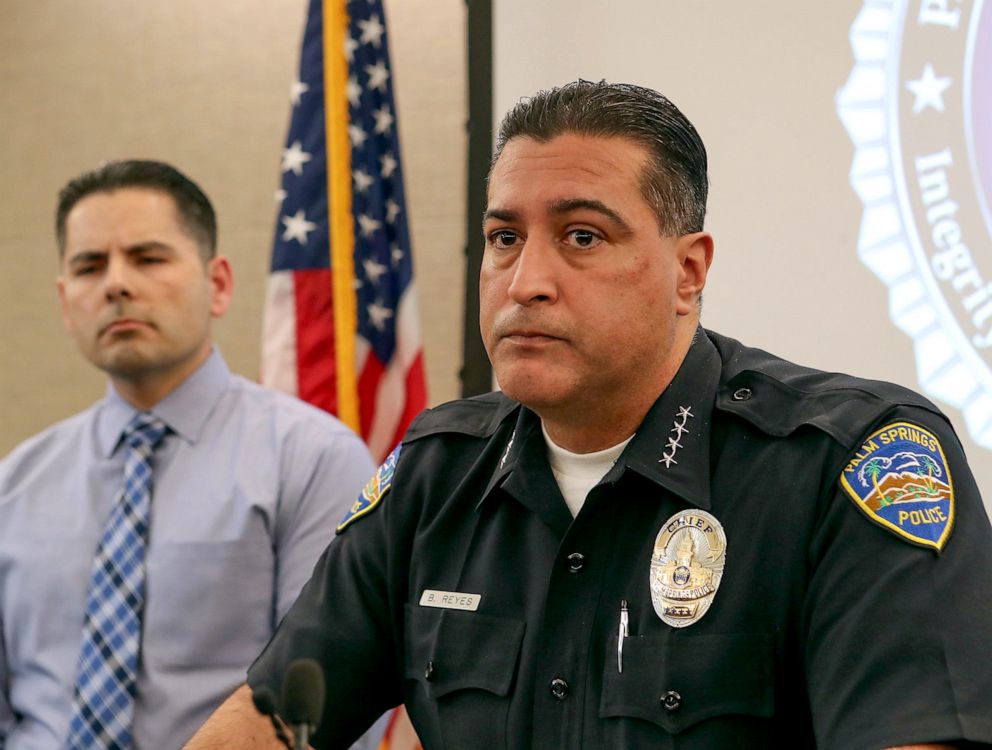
<point>247,484</point>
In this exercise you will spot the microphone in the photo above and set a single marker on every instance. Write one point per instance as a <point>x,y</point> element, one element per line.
<point>265,703</point>
<point>303,699</point>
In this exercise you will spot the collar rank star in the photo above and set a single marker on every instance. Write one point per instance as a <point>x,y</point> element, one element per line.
<point>687,566</point>
<point>506,453</point>
<point>674,443</point>
<point>899,478</point>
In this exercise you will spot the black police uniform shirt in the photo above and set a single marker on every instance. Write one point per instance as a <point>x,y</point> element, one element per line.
<point>827,629</point>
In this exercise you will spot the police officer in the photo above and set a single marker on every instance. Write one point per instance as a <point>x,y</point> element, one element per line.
<point>654,536</point>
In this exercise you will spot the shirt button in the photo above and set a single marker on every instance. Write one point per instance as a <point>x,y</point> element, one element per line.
<point>742,394</point>
<point>429,670</point>
<point>671,701</point>
<point>576,561</point>
<point>559,689</point>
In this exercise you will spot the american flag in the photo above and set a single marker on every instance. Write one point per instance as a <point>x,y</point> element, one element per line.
<point>341,325</point>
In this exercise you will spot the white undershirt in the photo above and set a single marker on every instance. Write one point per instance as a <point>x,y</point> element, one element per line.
<point>577,473</point>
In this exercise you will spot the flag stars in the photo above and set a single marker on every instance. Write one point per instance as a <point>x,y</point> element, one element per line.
<point>368,225</point>
<point>296,91</point>
<point>357,136</point>
<point>378,75</point>
<point>372,31</point>
<point>373,269</point>
<point>928,90</point>
<point>280,195</point>
<point>297,227</point>
<point>392,210</point>
<point>378,315</point>
<point>354,91</point>
<point>350,45</point>
<point>395,255</point>
<point>363,180</point>
<point>388,165</point>
<point>293,158</point>
<point>383,119</point>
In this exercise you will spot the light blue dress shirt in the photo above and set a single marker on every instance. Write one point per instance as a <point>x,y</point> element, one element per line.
<point>248,487</point>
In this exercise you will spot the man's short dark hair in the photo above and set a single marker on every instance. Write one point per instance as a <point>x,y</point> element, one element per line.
<point>196,214</point>
<point>674,182</point>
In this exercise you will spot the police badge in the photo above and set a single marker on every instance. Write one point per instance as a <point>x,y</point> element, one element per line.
<point>686,567</point>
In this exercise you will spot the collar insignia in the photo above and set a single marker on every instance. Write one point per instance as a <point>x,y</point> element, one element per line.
<point>899,478</point>
<point>506,453</point>
<point>674,443</point>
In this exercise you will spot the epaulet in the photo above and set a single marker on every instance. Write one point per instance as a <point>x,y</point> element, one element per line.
<point>778,396</point>
<point>479,416</point>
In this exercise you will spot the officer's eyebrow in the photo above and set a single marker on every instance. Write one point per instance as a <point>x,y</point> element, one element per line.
<point>590,204</point>
<point>500,214</point>
<point>565,206</point>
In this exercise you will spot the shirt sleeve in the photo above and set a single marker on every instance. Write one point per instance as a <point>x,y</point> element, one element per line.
<point>6,714</point>
<point>323,470</point>
<point>345,620</point>
<point>898,635</point>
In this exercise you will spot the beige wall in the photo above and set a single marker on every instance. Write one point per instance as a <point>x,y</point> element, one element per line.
<point>203,85</point>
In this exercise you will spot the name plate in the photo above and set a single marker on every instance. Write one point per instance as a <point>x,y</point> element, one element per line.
<point>450,600</point>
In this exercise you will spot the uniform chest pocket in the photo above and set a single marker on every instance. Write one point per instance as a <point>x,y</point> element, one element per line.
<point>677,682</point>
<point>465,663</point>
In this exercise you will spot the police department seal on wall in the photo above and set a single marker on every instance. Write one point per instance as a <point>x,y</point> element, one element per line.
<point>918,107</point>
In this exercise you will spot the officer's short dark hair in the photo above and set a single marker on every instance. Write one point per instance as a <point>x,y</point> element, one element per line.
<point>674,182</point>
<point>196,214</point>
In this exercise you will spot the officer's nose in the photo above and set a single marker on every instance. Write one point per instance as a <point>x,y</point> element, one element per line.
<point>535,277</point>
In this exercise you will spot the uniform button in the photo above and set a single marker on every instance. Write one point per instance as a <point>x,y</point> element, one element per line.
<point>576,561</point>
<point>559,689</point>
<point>742,394</point>
<point>671,701</point>
<point>429,670</point>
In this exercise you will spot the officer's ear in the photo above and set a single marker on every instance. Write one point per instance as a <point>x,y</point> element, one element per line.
<point>694,253</point>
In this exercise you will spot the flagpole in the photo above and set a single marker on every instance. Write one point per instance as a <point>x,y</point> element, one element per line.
<point>341,226</point>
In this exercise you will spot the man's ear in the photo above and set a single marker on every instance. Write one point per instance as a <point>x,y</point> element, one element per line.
<point>221,279</point>
<point>695,254</point>
<point>63,308</point>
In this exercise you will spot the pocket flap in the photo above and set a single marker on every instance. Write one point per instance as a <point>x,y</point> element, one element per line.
<point>675,681</point>
<point>450,650</point>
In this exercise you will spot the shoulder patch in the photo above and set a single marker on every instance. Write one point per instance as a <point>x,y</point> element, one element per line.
<point>899,478</point>
<point>378,486</point>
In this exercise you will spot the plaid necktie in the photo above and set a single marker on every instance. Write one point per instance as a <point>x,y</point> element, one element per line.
<point>103,698</point>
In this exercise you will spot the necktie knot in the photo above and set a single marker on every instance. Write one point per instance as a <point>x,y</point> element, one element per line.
<point>145,430</point>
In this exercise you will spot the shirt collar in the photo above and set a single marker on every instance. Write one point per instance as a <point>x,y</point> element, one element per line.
<point>677,426</point>
<point>672,445</point>
<point>524,473</point>
<point>185,410</point>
